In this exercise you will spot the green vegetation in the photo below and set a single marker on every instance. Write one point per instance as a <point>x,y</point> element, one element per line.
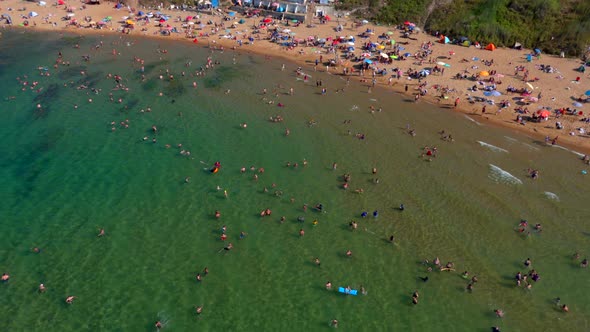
<point>551,25</point>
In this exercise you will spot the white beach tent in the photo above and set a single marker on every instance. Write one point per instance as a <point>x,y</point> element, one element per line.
<point>42,3</point>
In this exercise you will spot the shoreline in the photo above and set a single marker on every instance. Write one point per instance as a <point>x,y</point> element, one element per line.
<point>571,84</point>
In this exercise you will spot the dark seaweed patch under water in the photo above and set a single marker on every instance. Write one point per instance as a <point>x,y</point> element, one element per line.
<point>149,85</point>
<point>45,98</point>
<point>148,68</point>
<point>31,163</point>
<point>174,89</point>
<point>71,72</point>
<point>222,75</point>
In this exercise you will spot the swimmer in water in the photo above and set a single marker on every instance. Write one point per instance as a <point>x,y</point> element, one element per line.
<point>70,299</point>
<point>334,323</point>
<point>101,232</point>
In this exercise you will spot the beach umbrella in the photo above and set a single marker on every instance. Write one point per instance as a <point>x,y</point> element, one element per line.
<point>366,55</point>
<point>577,104</point>
<point>368,61</point>
<point>401,48</point>
<point>286,31</point>
<point>33,14</point>
<point>393,56</point>
<point>440,63</point>
<point>544,113</point>
<point>129,22</point>
<point>537,51</point>
<point>496,93</point>
<point>71,15</point>
<point>267,20</point>
<point>424,72</point>
<point>390,32</point>
<point>350,43</point>
<point>294,21</point>
<point>383,55</point>
<point>484,73</point>
<point>587,93</point>
<point>407,54</point>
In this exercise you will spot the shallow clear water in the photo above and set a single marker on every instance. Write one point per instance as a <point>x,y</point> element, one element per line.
<point>65,174</point>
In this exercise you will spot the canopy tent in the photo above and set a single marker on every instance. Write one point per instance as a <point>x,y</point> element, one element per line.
<point>491,47</point>
<point>444,39</point>
<point>466,43</point>
<point>492,93</point>
<point>581,69</point>
<point>517,46</point>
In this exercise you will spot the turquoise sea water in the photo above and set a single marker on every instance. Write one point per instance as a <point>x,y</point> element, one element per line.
<point>65,174</point>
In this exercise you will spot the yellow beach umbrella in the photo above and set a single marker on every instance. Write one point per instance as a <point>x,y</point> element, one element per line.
<point>129,22</point>
<point>484,73</point>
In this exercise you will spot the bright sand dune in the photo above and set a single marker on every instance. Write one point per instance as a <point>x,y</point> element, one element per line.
<point>559,89</point>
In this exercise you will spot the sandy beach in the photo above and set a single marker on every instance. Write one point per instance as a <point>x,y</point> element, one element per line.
<point>458,77</point>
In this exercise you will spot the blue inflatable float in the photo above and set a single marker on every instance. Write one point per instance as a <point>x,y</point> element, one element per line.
<point>346,291</point>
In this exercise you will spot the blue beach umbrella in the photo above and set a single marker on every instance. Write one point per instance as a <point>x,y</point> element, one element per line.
<point>496,93</point>
<point>587,93</point>
<point>368,61</point>
<point>577,104</point>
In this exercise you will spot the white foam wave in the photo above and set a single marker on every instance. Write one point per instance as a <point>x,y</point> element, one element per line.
<point>501,176</point>
<point>492,147</point>
<point>472,120</point>
<point>581,155</point>
<point>354,108</point>
<point>531,147</point>
<point>511,139</point>
<point>551,196</point>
